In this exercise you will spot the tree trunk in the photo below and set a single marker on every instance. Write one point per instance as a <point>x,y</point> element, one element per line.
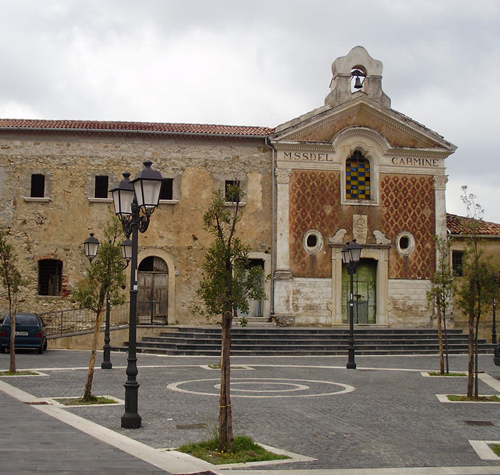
<point>87,395</point>
<point>12,360</point>
<point>440,337</point>
<point>476,358</point>
<point>13,318</point>
<point>470,374</point>
<point>445,332</point>
<point>226,439</point>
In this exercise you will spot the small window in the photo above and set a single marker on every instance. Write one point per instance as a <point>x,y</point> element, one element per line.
<point>313,241</point>
<point>227,185</point>
<point>167,189</point>
<point>101,186</point>
<point>37,186</point>
<point>49,277</point>
<point>457,261</point>
<point>357,177</point>
<point>405,243</point>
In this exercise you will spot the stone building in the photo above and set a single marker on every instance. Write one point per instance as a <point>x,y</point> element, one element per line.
<point>351,169</point>
<point>488,236</point>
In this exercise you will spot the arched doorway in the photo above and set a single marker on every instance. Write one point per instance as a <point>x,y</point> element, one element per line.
<point>152,298</point>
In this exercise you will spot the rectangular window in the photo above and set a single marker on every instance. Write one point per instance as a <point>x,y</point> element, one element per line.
<point>101,186</point>
<point>167,189</point>
<point>37,186</point>
<point>49,277</point>
<point>457,258</point>
<point>227,191</point>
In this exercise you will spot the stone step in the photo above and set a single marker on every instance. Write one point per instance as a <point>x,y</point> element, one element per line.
<point>304,341</point>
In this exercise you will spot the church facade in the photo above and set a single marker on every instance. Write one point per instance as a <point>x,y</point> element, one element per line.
<point>352,169</point>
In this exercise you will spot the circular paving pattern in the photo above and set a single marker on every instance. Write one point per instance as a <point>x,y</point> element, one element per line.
<point>263,387</point>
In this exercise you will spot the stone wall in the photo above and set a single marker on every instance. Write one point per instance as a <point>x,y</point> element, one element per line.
<point>306,299</point>
<point>408,303</point>
<point>56,226</point>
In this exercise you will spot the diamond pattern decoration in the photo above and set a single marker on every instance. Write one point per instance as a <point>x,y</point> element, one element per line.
<point>314,204</point>
<point>408,205</point>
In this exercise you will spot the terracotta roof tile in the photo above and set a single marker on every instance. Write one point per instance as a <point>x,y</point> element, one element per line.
<point>462,225</point>
<point>153,127</point>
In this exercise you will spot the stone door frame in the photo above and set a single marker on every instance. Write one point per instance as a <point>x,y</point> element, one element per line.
<point>377,252</point>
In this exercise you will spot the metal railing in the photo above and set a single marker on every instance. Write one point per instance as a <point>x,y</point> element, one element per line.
<point>62,322</point>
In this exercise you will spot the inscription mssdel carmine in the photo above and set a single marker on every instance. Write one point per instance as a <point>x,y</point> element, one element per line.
<point>308,156</point>
<point>327,157</point>
<point>416,162</point>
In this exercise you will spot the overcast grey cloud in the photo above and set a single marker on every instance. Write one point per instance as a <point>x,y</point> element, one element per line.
<point>259,62</point>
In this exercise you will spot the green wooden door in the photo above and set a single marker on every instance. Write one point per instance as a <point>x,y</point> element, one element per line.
<point>365,292</point>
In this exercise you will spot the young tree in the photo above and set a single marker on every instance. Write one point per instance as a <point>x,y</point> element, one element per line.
<point>227,284</point>
<point>478,286</point>
<point>11,280</point>
<point>440,295</point>
<point>105,279</point>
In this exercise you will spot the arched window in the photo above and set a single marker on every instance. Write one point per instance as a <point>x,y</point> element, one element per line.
<point>357,177</point>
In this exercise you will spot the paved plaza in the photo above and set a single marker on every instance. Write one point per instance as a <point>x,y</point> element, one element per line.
<point>383,418</point>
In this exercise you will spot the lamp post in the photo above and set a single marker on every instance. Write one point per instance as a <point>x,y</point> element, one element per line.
<point>134,202</point>
<point>91,248</point>
<point>351,254</point>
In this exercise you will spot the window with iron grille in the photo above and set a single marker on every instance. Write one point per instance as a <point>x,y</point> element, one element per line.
<point>37,185</point>
<point>457,262</point>
<point>49,277</point>
<point>101,186</point>
<point>357,177</point>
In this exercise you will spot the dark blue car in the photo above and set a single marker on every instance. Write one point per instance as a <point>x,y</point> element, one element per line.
<point>30,332</point>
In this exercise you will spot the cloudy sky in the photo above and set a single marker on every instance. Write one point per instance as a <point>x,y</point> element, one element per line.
<point>259,62</point>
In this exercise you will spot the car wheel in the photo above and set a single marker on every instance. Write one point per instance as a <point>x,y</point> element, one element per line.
<point>45,345</point>
<point>2,349</point>
<point>39,350</point>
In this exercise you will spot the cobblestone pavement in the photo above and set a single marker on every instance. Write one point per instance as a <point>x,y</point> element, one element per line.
<point>385,414</point>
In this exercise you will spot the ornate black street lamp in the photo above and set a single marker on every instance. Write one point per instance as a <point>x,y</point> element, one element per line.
<point>134,202</point>
<point>91,248</point>
<point>351,254</point>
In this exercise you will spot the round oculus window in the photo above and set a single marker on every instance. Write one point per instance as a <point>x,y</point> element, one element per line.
<point>405,243</point>
<point>313,241</point>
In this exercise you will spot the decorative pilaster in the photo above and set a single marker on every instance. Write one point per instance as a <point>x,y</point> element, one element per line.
<point>440,204</point>
<point>282,271</point>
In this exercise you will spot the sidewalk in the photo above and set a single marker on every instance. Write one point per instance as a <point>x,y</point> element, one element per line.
<point>383,418</point>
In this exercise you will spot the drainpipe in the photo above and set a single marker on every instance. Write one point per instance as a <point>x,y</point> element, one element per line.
<point>273,219</point>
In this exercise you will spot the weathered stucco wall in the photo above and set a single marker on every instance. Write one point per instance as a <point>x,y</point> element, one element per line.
<point>408,303</point>
<point>55,227</point>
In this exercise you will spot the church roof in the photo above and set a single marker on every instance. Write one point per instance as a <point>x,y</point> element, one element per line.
<point>462,225</point>
<point>130,127</point>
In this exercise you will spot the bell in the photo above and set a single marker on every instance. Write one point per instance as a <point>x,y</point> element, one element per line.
<point>358,84</point>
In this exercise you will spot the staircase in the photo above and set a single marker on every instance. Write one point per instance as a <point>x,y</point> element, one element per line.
<point>295,341</point>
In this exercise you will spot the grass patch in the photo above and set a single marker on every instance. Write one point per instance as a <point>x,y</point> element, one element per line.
<point>18,373</point>
<point>69,401</point>
<point>245,450</point>
<point>436,373</point>
<point>495,448</point>
<point>455,398</point>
